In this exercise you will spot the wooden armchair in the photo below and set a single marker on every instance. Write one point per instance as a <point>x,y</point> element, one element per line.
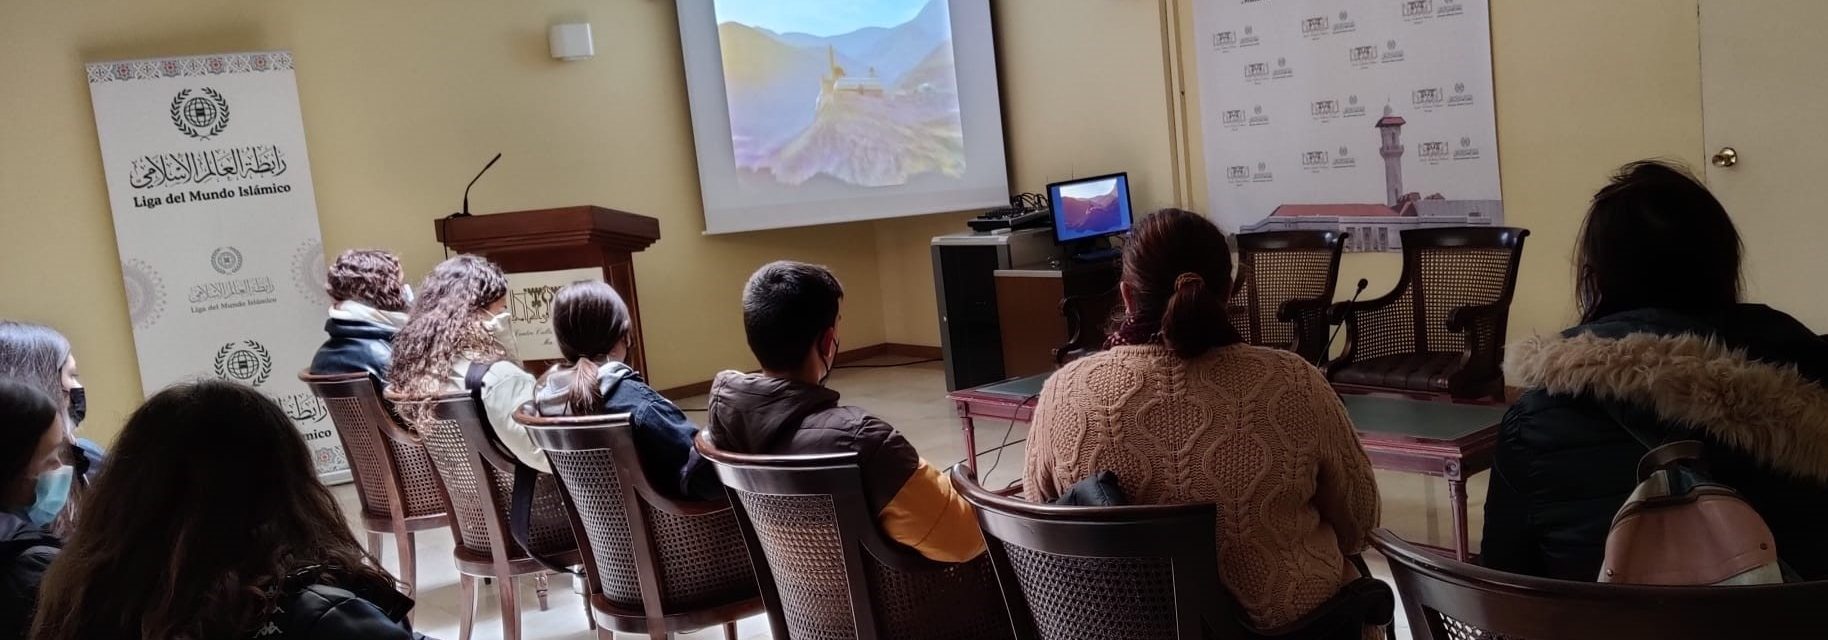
<point>1088,317</point>
<point>657,565</point>
<point>824,569</point>
<point>1284,284</point>
<point>397,488</point>
<point>1441,329</point>
<point>1450,600</point>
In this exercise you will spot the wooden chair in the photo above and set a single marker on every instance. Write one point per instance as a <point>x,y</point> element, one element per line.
<point>827,573</point>
<point>659,565</point>
<point>1087,317</point>
<point>1450,600</point>
<point>1441,329</point>
<point>1284,284</point>
<point>1137,572</point>
<point>395,483</point>
<point>477,473</point>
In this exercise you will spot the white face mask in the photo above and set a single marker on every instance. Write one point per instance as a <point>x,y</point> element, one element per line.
<point>406,295</point>
<point>497,324</point>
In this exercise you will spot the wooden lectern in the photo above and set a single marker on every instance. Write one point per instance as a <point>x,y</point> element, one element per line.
<point>562,238</point>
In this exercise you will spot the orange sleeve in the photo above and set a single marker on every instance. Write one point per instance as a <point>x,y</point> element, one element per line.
<point>932,518</point>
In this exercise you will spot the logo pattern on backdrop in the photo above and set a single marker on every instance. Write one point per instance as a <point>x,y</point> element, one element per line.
<point>145,292</point>
<point>225,260</point>
<point>200,115</point>
<point>309,271</point>
<point>245,361</point>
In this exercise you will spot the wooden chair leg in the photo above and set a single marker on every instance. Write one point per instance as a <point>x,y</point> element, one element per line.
<point>541,588</point>
<point>409,561</point>
<point>583,588</point>
<point>729,631</point>
<point>467,619</point>
<point>510,608</point>
<point>374,545</point>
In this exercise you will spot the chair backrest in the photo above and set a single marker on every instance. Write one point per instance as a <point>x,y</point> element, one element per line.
<point>1135,572</point>
<point>1444,269</point>
<point>1449,600</point>
<point>647,551</point>
<point>1276,268</point>
<point>478,476</point>
<point>827,573</point>
<point>393,476</point>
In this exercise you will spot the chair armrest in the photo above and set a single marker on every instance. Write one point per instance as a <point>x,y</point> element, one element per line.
<point>1293,309</point>
<point>1462,319</point>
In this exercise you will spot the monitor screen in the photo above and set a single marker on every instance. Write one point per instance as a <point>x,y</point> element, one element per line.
<point>1091,207</point>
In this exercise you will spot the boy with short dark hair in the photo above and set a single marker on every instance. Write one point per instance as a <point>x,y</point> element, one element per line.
<point>790,316</point>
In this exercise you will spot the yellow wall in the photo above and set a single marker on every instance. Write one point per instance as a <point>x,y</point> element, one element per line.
<point>1582,87</point>
<point>402,102</point>
<point>403,99</point>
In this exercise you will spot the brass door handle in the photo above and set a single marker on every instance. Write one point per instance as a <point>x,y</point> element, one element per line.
<point>1727,157</point>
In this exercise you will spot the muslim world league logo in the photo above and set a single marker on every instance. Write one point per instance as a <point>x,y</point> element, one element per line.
<point>200,115</point>
<point>225,260</point>
<point>245,361</point>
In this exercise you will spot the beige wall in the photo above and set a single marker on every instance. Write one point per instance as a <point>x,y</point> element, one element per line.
<point>403,99</point>
<point>402,102</point>
<point>1582,87</point>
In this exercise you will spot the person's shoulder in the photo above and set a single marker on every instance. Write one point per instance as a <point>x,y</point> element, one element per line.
<point>323,611</point>
<point>507,370</point>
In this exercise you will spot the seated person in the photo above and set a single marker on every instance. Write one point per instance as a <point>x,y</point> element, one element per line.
<point>592,326</point>
<point>31,439</point>
<point>461,321</point>
<point>1666,347</point>
<point>370,299</point>
<point>1184,412</point>
<point>790,315</point>
<point>236,539</point>
<point>40,356</point>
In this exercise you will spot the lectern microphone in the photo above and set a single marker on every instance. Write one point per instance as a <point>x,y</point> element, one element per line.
<point>466,190</point>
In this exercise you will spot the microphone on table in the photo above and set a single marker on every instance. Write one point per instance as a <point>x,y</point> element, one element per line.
<point>465,213</point>
<point>1362,283</point>
<point>466,190</point>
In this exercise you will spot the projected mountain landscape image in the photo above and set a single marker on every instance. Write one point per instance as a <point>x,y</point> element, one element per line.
<point>862,91</point>
<point>1091,208</point>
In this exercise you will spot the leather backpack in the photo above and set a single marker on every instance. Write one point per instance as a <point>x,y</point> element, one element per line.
<point>1679,527</point>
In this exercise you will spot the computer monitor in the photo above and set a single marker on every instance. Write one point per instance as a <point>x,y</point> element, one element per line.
<point>1090,208</point>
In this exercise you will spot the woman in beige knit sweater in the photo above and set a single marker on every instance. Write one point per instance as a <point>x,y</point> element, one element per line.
<point>1183,412</point>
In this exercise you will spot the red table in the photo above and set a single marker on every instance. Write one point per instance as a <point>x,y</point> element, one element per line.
<point>1445,440</point>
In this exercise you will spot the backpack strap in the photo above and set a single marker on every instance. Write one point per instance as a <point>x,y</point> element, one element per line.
<point>526,479</point>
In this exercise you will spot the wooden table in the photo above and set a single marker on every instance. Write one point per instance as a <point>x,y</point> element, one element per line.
<point>1445,440</point>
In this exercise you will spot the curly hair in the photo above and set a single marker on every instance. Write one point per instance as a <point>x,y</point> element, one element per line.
<point>370,277</point>
<point>445,326</point>
<point>206,551</point>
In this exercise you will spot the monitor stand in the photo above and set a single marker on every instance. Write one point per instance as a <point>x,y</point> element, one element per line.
<point>1093,250</point>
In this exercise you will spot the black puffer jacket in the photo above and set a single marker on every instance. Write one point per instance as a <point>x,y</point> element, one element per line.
<point>1749,381</point>
<point>355,347</point>
<point>26,552</point>
<point>323,612</point>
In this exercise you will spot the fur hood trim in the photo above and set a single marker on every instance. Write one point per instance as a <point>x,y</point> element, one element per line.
<point>1768,410</point>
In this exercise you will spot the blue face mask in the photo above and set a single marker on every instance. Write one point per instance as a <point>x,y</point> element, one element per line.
<point>53,492</point>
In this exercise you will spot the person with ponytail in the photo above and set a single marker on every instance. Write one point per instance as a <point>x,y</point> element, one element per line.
<point>592,326</point>
<point>1182,411</point>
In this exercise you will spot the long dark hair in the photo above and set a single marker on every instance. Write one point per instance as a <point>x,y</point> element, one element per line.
<point>208,503</point>
<point>589,320</point>
<point>26,413</point>
<point>1655,237</point>
<point>1177,267</point>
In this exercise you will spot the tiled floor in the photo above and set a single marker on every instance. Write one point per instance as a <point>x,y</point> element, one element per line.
<point>913,399</point>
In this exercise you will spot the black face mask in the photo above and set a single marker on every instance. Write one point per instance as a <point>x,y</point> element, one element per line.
<point>79,404</point>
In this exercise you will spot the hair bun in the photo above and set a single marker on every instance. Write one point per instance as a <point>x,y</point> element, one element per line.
<point>1189,279</point>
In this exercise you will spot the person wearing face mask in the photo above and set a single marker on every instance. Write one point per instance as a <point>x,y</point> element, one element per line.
<point>40,356</point>
<point>31,439</point>
<point>790,316</point>
<point>371,298</point>
<point>456,337</point>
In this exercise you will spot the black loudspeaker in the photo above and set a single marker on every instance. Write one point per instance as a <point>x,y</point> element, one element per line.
<point>964,280</point>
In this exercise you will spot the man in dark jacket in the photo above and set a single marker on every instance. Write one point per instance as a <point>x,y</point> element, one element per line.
<point>1748,381</point>
<point>370,297</point>
<point>790,316</point>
